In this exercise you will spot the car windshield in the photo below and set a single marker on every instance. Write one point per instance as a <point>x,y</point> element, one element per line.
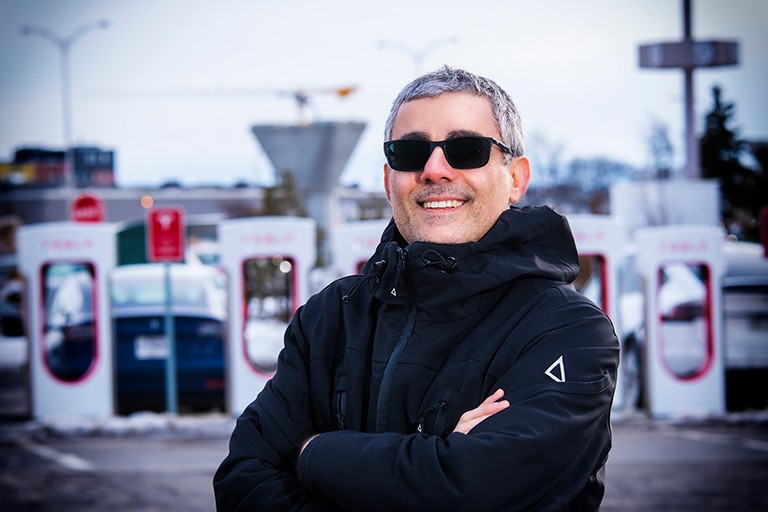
<point>143,291</point>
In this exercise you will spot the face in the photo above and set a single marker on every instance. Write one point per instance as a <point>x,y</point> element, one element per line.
<point>445,205</point>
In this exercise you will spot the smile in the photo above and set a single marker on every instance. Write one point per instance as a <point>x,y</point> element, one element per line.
<point>454,203</point>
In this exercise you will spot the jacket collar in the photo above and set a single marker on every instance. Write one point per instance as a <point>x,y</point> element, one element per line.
<point>447,281</point>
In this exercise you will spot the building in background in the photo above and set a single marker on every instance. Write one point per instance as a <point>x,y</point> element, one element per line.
<point>40,167</point>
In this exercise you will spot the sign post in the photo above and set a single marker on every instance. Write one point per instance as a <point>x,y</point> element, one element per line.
<point>165,233</point>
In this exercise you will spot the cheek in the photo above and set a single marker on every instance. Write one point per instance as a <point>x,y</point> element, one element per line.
<point>494,189</point>
<point>503,187</point>
<point>397,185</point>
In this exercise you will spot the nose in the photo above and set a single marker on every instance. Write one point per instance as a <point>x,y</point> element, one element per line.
<point>437,168</point>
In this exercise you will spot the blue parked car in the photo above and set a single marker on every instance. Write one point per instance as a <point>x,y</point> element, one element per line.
<point>141,348</point>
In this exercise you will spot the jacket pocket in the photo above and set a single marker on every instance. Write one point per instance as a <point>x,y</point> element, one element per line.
<point>341,409</point>
<point>341,403</point>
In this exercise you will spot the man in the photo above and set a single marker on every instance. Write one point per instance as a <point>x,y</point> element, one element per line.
<point>462,371</point>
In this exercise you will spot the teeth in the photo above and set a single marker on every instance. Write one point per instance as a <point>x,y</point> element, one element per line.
<point>443,204</point>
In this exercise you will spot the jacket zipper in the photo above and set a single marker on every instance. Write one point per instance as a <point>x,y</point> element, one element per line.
<point>382,406</point>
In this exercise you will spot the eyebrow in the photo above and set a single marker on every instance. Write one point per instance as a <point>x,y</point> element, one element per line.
<point>451,135</point>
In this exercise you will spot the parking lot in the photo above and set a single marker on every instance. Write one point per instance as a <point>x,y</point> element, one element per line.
<point>156,462</point>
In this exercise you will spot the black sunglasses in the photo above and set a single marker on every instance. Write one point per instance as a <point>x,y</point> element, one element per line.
<point>461,152</point>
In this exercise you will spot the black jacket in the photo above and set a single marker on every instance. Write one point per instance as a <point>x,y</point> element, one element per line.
<point>384,364</point>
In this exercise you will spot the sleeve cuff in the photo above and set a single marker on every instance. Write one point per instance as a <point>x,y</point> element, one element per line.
<point>305,462</point>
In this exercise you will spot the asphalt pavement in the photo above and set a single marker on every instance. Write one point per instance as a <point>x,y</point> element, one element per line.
<point>159,463</point>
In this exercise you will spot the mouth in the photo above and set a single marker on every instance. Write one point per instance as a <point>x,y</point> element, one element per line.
<point>452,203</point>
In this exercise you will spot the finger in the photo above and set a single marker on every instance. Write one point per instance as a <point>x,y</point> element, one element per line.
<point>484,410</point>
<point>471,423</point>
<point>466,425</point>
<point>489,406</point>
<point>495,396</point>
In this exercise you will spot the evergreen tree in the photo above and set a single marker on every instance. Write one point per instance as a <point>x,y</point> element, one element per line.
<point>742,189</point>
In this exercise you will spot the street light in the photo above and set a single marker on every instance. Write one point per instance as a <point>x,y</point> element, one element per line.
<point>418,54</point>
<point>65,44</point>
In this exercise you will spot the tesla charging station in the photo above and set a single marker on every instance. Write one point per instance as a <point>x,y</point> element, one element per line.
<point>67,265</point>
<point>601,240</point>
<point>683,267</point>
<point>354,243</point>
<point>268,261</point>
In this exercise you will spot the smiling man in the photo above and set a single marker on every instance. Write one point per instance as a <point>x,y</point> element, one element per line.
<point>461,371</point>
<point>437,202</point>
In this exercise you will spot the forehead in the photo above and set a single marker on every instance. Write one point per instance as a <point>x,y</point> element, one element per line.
<point>447,113</point>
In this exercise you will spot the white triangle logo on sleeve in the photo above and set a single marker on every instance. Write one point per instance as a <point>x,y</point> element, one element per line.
<point>557,366</point>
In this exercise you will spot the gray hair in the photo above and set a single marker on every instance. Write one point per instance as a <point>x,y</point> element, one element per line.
<point>447,79</point>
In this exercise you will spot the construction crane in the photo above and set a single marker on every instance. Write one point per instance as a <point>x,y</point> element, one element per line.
<point>301,96</point>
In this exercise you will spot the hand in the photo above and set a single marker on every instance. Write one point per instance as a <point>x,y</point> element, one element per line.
<point>488,408</point>
<point>306,442</point>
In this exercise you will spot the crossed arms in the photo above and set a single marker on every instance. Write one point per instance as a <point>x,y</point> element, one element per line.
<point>468,420</point>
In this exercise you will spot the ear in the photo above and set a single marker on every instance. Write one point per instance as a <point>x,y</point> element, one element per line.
<point>387,170</point>
<point>520,171</point>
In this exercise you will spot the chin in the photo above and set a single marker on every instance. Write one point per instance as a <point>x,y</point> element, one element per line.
<point>446,238</point>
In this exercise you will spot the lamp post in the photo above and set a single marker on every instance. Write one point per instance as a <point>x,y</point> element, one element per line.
<point>418,54</point>
<point>64,45</point>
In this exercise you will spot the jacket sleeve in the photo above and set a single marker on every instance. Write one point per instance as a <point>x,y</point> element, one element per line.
<point>538,454</point>
<point>259,471</point>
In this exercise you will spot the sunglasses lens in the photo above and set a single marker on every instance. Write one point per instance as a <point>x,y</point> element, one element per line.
<point>461,153</point>
<point>468,152</point>
<point>407,155</point>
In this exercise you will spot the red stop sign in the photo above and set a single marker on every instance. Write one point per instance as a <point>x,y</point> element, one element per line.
<point>87,208</point>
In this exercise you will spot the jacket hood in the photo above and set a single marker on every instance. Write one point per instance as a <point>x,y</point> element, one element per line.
<point>446,280</point>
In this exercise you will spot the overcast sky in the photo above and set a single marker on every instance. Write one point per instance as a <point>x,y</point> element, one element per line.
<point>571,66</point>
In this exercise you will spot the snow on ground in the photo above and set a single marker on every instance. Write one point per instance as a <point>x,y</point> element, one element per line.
<point>214,425</point>
<point>13,352</point>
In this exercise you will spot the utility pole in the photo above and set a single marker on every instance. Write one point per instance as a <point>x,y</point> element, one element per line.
<point>689,55</point>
